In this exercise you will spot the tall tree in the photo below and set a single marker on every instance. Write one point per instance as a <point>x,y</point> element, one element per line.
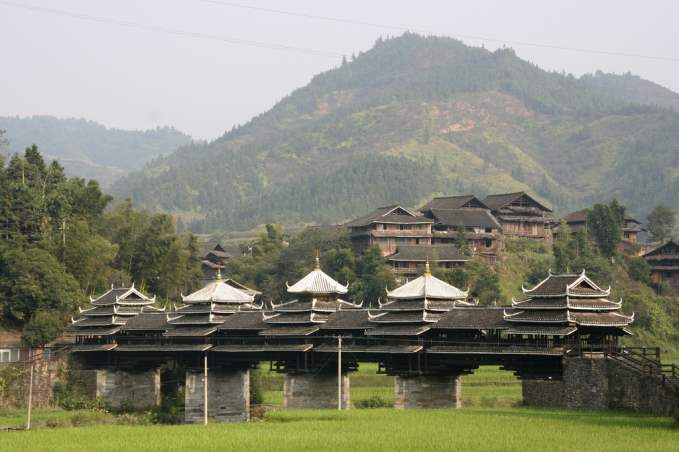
<point>461,240</point>
<point>604,223</point>
<point>660,223</point>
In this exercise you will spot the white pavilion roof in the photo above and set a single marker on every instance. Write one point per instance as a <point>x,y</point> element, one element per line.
<point>428,286</point>
<point>218,291</point>
<point>317,283</point>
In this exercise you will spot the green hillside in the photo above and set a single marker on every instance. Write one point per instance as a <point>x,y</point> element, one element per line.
<point>88,149</point>
<point>421,115</point>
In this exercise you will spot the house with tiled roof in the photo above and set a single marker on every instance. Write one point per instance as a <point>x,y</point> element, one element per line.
<point>521,215</point>
<point>388,228</point>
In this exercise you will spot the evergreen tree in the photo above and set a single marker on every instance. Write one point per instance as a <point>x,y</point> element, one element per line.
<point>660,223</point>
<point>604,223</point>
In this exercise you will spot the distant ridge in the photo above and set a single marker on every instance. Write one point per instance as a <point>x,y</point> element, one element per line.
<point>416,116</point>
<point>89,149</point>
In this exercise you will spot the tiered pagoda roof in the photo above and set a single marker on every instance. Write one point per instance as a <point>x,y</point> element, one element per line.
<point>563,303</point>
<point>111,311</point>
<point>318,296</point>
<point>415,306</point>
<point>208,307</point>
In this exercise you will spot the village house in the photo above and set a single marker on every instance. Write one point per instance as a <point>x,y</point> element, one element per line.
<point>481,229</point>
<point>213,256</point>
<point>577,221</point>
<point>664,262</point>
<point>407,262</point>
<point>390,227</point>
<point>520,215</point>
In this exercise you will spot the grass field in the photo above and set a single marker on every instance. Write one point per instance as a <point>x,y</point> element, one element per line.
<point>487,387</point>
<point>491,420</point>
<point>511,429</point>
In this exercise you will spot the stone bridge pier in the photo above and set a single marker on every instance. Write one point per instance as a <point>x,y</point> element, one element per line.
<point>315,390</point>
<point>428,391</point>
<point>228,395</point>
<point>123,388</point>
<point>600,383</point>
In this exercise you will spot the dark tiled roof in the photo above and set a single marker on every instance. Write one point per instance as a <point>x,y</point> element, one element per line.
<point>163,347</point>
<point>453,202</point>
<point>535,315</point>
<point>296,317</point>
<point>397,330</point>
<point>92,347</point>
<point>542,303</point>
<point>470,218</point>
<point>474,318</point>
<point>186,331</point>
<point>420,253</point>
<point>554,285</point>
<point>580,216</point>
<point>381,349</point>
<point>153,321</point>
<point>600,319</point>
<point>671,245</point>
<point>498,201</point>
<point>284,330</point>
<point>542,330</point>
<point>244,321</point>
<point>97,331</point>
<point>405,317</point>
<point>383,215</point>
<point>355,319</point>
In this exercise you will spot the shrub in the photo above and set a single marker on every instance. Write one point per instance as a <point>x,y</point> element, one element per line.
<point>256,393</point>
<point>639,270</point>
<point>373,402</point>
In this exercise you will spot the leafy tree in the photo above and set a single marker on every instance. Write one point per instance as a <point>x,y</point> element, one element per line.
<point>605,226</point>
<point>32,280</point>
<point>660,223</point>
<point>639,270</point>
<point>461,240</point>
<point>564,248</point>
<point>42,328</point>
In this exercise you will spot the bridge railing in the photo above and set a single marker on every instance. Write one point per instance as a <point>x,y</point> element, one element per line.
<point>647,361</point>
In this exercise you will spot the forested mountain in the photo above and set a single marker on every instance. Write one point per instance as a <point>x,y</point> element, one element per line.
<point>88,149</point>
<point>415,116</point>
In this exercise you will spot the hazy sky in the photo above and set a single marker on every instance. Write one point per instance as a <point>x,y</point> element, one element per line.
<point>124,76</point>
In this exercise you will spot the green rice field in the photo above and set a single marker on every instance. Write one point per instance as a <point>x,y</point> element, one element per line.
<point>506,429</point>
<point>492,419</point>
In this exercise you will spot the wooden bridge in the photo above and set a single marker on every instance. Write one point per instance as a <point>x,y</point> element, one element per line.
<point>563,341</point>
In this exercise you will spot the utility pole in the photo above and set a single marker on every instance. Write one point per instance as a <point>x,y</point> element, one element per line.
<point>30,391</point>
<point>339,372</point>
<point>205,389</point>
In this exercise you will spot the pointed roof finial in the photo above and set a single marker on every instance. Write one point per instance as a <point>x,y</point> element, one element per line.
<point>318,259</point>
<point>218,277</point>
<point>427,270</point>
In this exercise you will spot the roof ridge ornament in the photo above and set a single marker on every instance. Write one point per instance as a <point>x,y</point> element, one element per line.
<point>318,259</point>
<point>218,276</point>
<point>427,270</point>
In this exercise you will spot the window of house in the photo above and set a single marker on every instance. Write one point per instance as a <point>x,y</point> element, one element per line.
<point>488,230</point>
<point>5,355</point>
<point>487,243</point>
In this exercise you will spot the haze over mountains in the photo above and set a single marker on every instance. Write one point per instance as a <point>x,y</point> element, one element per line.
<point>415,116</point>
<point>412,117</point>
<point>88,149</point>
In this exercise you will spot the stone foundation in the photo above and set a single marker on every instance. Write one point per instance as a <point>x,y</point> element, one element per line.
<point>542,393</point>
<point>428,391</point>
<point>599,383</point>
<point>314,391</point>
<point>124,388</point>
<point>228,395</point>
